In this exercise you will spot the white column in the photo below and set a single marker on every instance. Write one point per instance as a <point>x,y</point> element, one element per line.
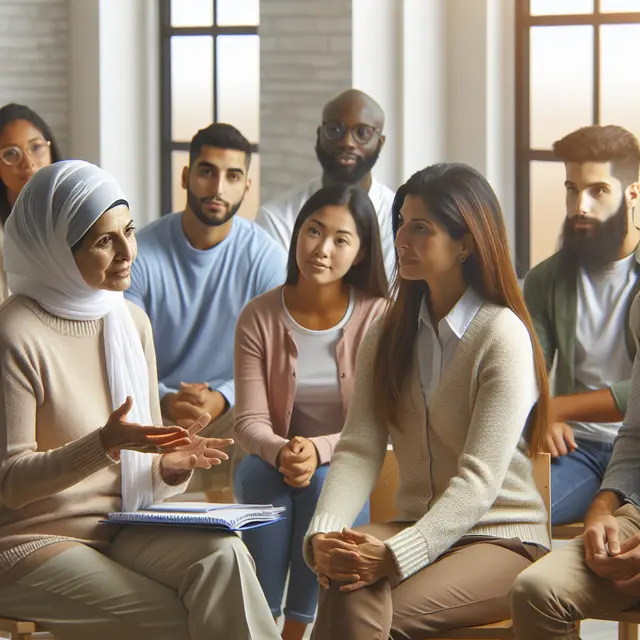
<point>376,69</point>
<point>114,95</point>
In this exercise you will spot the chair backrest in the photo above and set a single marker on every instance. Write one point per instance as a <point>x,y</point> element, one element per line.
<point>541,463</point>
<point>382,496</point>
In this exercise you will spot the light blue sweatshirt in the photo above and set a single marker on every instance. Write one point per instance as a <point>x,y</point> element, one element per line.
<point>194,297</point>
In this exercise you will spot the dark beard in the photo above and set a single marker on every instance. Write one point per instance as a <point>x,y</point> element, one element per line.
<point>194,204</point>
<point>348,175</point>
<point>594,249</point>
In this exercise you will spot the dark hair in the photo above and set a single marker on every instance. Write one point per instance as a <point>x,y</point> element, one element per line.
<point>368,275</point>
<point>597,143</point>
<point>462,200</point>
<point>222,136</point>
<point>10,113</point>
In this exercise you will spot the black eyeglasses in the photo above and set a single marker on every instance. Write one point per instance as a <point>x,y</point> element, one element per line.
<point>361,133</point>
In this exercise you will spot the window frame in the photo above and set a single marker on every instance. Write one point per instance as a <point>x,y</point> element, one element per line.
<point>524,154</point>
<point>167,144</point>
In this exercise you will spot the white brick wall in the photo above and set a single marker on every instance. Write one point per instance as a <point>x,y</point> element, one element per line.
<point>305,59</point>
<point>33,59</point>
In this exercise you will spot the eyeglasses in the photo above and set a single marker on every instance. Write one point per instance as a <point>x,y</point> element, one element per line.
<point>14,154</point>
<point>361,133</point>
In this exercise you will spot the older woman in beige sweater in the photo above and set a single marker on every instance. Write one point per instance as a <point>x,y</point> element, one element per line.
<point>78,388</point>
<point>454,376</point>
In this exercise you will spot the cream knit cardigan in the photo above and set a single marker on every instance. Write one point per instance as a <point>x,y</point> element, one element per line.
<point>463,470</point>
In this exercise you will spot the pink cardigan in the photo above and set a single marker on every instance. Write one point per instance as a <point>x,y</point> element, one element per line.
<point>265,360</point>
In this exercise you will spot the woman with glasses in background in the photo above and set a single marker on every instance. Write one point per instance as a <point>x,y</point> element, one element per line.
<point>26,145</point>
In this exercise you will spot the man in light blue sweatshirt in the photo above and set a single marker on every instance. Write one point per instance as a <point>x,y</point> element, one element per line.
<point>194,273</point>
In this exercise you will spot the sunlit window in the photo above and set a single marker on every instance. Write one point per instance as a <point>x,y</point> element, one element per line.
<point>574,60</point>
<point>210,73</point>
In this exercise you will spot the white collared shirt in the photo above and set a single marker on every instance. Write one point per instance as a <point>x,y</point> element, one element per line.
<point>435,351</point>
<point>278,216</point>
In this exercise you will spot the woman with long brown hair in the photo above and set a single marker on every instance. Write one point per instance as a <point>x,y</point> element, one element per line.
<point>454,376</point>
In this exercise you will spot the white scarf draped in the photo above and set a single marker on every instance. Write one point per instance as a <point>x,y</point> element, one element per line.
<point>54,210</point>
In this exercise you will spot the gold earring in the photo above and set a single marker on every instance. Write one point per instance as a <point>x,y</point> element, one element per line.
<point>462,257</point>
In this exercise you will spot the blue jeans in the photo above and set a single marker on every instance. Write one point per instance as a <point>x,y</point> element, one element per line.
<point>576,478</point>
<point>278,547</point>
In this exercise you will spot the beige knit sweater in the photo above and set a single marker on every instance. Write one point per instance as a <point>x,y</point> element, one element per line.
<point>56,482</point>
<point>464,471</point>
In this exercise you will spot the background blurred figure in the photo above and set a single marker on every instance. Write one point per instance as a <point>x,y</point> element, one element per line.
<point>26,145</point>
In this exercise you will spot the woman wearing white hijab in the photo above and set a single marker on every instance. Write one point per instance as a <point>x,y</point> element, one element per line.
<point>75,361</point>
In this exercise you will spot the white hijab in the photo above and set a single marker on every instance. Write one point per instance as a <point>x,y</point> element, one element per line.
<point>54,210</point>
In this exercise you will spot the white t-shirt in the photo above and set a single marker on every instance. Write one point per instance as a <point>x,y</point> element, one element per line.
<point>601,349</point>
<point>435,351</point>
<point>278,216</point>
<point>317,407</point>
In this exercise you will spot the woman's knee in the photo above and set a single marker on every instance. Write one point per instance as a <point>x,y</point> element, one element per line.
<point>254,476</point>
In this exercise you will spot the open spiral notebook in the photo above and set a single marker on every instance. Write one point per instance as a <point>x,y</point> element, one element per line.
<point>230,517</point>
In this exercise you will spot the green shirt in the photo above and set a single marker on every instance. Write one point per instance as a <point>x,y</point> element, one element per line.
<point>552,300</point>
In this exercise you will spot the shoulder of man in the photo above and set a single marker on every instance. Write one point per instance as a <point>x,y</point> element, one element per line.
<point>154,234</point>
<point>544,273</point>
<point>293,197</point>
<point>381,192</point>
<point>255,242</point>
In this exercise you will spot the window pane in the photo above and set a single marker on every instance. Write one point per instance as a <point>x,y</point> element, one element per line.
<point>238,88</point>
<point>191,85</point>
<point>251,201</point>
<point>179,160</point>
<point>560,7</point>
<point>191,13</point>
<point>619,6</point>
<point>561,82</point>
<point>619,55</point>
<point>548,209</point>
<point>238,12</point>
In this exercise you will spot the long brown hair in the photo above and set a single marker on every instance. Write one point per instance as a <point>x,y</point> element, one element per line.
<point>462,200</point>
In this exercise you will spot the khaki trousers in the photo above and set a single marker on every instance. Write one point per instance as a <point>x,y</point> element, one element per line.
<point>156,583</point>
<point>468,585</point>
<point>551,595</point>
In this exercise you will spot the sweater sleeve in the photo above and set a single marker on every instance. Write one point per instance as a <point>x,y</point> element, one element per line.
<point>325,446</point>
<point>28,475</point>
<point>254,429</point>
<point>506,393</point>
<point>358,457</point>
<point>623,472</point>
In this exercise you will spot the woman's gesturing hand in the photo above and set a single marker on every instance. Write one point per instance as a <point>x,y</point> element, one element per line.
<point>199,452</point>
<point>118,434</point>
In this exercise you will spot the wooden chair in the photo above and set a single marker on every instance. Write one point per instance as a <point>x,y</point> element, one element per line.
<point>382,510</point>
<point>628,622</point>
<point>22,629</point>
<point>567,531</point>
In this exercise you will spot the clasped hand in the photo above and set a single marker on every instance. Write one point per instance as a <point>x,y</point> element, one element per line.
<point>618,562</point>
<point>191,401</point>
<point>298,461</point>
<point>351,557</point>
<point>182,447</point>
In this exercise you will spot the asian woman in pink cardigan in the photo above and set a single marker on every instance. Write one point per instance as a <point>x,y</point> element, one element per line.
<point>295,353</point>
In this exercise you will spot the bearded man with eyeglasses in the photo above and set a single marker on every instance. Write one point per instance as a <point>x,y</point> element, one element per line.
<point>348,144</point>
